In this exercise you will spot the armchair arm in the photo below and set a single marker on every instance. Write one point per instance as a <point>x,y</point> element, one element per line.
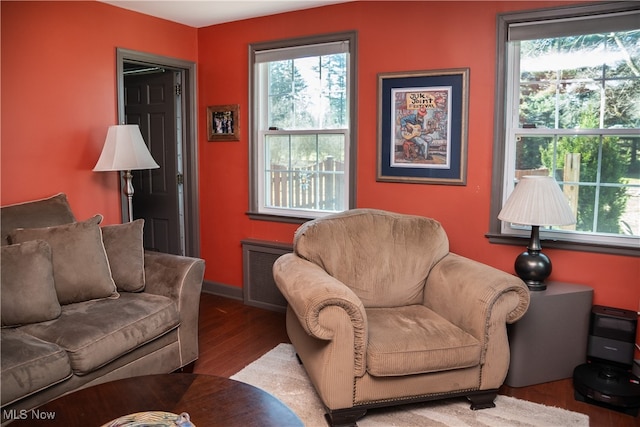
<point>464,291</point>
<point>178,278</point>
<point>481,300</point>
<point>309,290</point>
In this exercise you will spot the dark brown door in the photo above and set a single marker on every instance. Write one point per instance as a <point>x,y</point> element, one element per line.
<point>150,102</point>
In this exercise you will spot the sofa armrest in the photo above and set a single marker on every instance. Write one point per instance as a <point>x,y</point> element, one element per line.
<point>480,300</point>
<point>179,278</point>
<point>309,290</point>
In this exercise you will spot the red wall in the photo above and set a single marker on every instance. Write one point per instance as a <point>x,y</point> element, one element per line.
<point>392,37</point>
<point>58,96</point>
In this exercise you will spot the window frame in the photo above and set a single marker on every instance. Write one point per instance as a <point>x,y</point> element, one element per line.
<point>495,233</point>
<point>255,133</point>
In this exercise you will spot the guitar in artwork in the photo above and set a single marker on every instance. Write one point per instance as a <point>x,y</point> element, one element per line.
<point>416,130</point>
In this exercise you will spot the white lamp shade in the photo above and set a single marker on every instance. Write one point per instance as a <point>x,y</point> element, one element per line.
<point>124,150</point>
<point>537,200</point>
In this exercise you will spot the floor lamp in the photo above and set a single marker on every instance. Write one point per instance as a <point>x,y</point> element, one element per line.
<point>124,150</point>
<point>536,201</point>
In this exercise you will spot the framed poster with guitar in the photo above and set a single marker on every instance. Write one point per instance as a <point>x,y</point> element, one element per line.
<point>422,126</point>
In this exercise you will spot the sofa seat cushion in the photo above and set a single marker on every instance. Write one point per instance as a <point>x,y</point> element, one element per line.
<point>29,364</point>
<point>413,340</point>
<point>96,332</point>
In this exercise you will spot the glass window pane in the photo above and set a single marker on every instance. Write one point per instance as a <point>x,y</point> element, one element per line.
<point>611,205</point>
<point>304,150</point>
<point>331,145</point>
<point>331,186</point>
<point>280,111</point>
<point>580,57</point>
<point>563,81</point>
<point>308,93</point>
<point>585,212</point>
<point>630,218</point>
<point>622,48</point>
<point>305,171</point>
<point>538,105</point>
<point>277,150</point>
<point>619,159</point>
<point>573,158</point>
<point>529,154</point>
<point>579,105</point>
<point>622,105</point>
<point>277,184</point>
<point>334,91</point>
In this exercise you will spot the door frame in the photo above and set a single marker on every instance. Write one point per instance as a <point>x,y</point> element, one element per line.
<point>190,136</point>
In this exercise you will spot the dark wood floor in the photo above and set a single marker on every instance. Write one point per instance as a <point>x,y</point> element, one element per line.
<point>232,335</point>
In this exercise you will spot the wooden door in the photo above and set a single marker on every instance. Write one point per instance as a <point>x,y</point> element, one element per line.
<point>150,102</point>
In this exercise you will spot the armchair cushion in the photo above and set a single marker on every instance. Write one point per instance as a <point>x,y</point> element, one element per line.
<point>415,340</point>
<point>348,247</point>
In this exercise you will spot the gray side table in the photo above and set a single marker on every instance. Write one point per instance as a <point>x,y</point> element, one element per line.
<point>551,338</point>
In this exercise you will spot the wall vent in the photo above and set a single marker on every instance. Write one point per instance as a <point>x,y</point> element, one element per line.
<point>259,289</point>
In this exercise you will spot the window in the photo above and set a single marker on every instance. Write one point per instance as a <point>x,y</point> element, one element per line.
<point>568,85</point>
<point>302,138</point>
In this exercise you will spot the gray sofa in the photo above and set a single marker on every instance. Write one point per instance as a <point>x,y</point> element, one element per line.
<point>83,304</point>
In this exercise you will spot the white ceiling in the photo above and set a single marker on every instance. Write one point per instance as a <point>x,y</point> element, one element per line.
<point>202,13</point>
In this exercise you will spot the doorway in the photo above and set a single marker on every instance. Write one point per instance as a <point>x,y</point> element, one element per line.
<point>158,94</point>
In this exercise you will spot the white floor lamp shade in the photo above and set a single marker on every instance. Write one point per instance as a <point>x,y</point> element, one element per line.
<point>125,150</point>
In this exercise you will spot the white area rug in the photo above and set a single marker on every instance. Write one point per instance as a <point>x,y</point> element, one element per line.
<point>279,373</point>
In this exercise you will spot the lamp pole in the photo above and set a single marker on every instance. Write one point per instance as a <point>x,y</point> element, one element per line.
<point>128,191</point>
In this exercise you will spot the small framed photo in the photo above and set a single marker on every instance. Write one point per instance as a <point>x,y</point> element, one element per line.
<point>422,126</point>
<point>223,122</point>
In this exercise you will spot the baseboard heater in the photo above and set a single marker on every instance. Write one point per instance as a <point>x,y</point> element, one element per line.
<point>258,287</point>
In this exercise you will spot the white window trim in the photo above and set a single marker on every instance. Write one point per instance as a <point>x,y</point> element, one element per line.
<point>257,209</point>
<point>504,153</point>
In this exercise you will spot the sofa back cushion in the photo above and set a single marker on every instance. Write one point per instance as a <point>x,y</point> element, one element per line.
<point>27,287</point>
<point>54,210</point>
<point>80,266</point>
<point>125,252</point>
<point>383,257</point>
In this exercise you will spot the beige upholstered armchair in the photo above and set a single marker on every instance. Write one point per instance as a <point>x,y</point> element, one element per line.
<point>381,313</point>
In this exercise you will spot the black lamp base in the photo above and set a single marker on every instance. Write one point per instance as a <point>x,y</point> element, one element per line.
<point>533,267</point>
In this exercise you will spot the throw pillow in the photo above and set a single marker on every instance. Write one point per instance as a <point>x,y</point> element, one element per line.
<point>54,210</point>
<point>80,266</point>
<point>125,251</point>
<point>26,283</point>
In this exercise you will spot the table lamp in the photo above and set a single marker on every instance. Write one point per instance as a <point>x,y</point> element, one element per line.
<point>125,150</point>
<point>536,201</point>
